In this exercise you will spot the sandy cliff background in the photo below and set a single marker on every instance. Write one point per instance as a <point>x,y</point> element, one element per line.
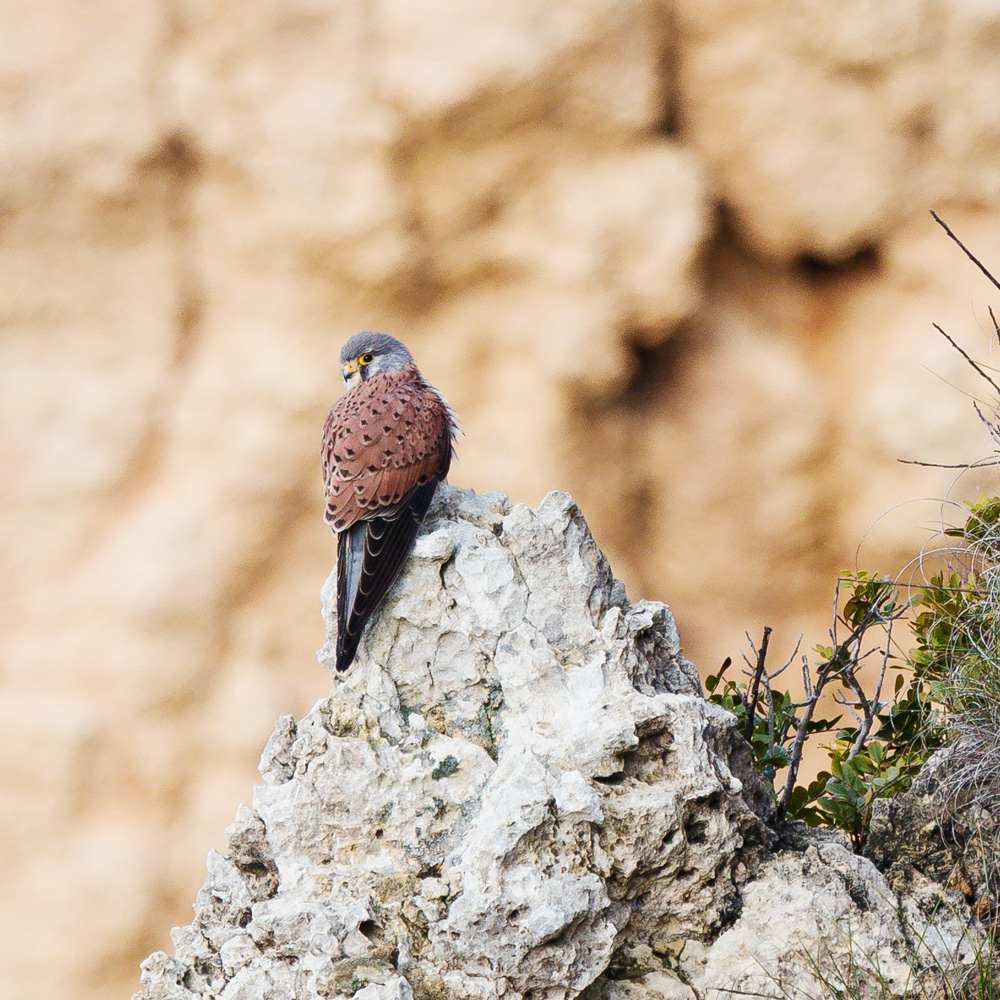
<point>674,257</point>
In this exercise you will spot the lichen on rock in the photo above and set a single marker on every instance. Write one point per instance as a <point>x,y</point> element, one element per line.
<point>517,791</point>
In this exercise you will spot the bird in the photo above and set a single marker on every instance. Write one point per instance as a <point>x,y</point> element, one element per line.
<point>387,443</point>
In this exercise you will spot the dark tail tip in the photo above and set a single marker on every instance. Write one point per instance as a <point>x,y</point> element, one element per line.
<point>346,653</point>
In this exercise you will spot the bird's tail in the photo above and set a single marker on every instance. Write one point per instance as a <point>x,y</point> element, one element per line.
<point>350,558</point>
<point>370,555</point>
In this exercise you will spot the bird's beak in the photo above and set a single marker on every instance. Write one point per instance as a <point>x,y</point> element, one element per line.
<point>349,369</point>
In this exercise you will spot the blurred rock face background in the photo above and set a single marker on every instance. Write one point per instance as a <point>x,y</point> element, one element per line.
<point>674,257</point>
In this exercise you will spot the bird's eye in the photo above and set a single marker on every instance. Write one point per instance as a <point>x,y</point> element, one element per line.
<point>366,359</point>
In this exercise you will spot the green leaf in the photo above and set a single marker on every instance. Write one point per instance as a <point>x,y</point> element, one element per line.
<point>863,765</point>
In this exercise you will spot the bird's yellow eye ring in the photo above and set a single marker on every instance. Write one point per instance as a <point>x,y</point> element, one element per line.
<point>366,359</point>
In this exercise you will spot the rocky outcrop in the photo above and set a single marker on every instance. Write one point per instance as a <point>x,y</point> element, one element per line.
<point>939,832</point>
<point>817,912</point>
<point>518,791</point>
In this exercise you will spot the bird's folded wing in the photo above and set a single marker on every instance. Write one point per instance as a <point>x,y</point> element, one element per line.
<point>381,441</point>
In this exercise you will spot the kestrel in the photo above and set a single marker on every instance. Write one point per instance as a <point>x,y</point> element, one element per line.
<point>387,443</point>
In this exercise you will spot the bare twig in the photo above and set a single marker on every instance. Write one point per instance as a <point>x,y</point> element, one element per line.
<point>789,661</point>
<point>836,609</point>
<point>867,717</point>
<point>849,705</point>
<point>984,463</point>
<point>746,659</point>
<point>991,427</point>
<point>769,696</point>
<point>968,253</point>
<point>755,689</point>
<point>886,655</point>
<point>841,665</point>
<point>975,364</point>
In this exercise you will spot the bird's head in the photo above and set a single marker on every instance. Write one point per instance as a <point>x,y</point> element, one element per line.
<point>367,354</point>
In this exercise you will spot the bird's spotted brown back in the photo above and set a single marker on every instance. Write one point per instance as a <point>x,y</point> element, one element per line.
<point>368,462</point>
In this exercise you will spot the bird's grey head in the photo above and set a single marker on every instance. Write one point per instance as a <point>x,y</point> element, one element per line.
<point>368,353</point>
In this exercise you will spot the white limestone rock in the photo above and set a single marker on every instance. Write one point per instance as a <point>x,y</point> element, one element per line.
<point>826,910</point>
<point>518,790</point>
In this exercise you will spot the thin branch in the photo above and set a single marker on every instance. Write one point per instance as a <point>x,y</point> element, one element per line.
<point>769,696</point>
<point>849,705</point>
<point>746,659</point>
<point>988,424</point>
<point>968,253</point>
<point>789,661</point>
<point>755,690</point>
<point>778,672</point>
<point>975,364</point>
<point>984,463</point>
<point>836,609</point>
<point>859,657</point>
<point>840,665</point>
<point>865,724</point>
<point>795,756</point>
<point>886,655</point>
